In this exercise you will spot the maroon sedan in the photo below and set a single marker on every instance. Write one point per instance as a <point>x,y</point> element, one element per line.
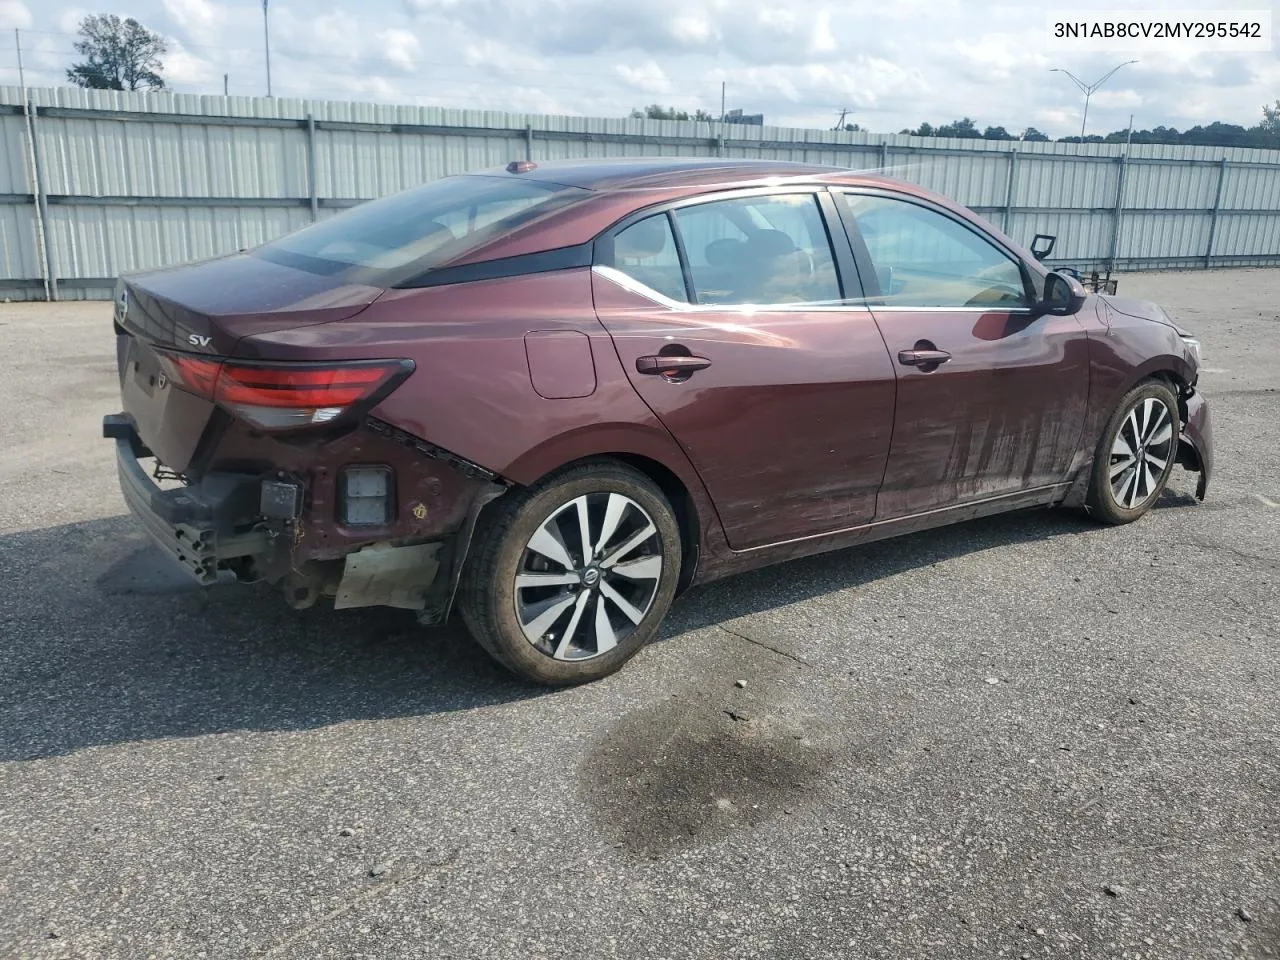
<point>561,393</point>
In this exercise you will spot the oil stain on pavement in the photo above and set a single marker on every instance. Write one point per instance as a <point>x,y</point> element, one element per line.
<point>682,773</point>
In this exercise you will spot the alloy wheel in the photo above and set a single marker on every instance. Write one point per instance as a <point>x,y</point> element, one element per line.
<point>588,576</point>
<point>1141,453</point>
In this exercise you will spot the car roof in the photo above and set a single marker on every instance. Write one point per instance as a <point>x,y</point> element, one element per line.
<point>670,172</point>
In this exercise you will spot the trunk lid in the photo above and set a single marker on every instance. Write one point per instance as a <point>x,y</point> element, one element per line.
<point>206,309</point>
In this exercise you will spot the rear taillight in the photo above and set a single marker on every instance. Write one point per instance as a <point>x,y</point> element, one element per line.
<point>276,396</point>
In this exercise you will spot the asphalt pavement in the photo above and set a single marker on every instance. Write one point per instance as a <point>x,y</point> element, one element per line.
<point>1023,737</point>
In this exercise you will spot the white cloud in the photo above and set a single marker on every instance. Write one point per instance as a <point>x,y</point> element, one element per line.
<point>648,77</point>
<point>693,28</point>
<point>14,14</point>
<point>893,64</point>
<point>822,38</point>
<point>181,67</point>
<point>69,19</point>
<point>193,16</point>
<point>1116,99</point>
<point>400,47</point>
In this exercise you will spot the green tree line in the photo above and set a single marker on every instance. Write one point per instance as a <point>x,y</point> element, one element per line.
<point>1264,134</point>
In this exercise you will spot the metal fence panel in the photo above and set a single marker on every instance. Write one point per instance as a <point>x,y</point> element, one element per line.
<point>1251,188</point>
<point>145,180</point>
<point>1245,235</point>
<point>18,254</point>
<point>15,176</point>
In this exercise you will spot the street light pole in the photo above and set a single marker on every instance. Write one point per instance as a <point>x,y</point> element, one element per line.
<point>266,42</point>
<point>1087,89</point>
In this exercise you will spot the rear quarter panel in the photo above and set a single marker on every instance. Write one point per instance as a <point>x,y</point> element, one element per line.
<point>472,392</point>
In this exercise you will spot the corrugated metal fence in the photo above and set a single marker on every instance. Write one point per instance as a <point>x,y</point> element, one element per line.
<point>93,183</point>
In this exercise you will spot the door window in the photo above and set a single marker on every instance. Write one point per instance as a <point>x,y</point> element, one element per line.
<point>759,250</point>
<point>646,251</point>
<point>925,259</point>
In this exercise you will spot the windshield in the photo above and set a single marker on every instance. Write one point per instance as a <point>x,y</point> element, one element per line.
<point>420,228</point>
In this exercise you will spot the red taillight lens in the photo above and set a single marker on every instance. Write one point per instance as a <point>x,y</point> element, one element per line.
<point>198,375</point>
<point>279,395</point>
<point>280,386</point>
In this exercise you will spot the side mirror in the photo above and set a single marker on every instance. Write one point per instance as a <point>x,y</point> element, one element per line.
<point>1042,245</point>
<point>1063,295</point>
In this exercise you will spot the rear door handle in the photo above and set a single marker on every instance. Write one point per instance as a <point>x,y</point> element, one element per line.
<point>671,366</point>
<point>922,358</point>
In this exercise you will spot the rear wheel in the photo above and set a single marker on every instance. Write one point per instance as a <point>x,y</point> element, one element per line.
<point>569,579</point>
<point>1136,454</point>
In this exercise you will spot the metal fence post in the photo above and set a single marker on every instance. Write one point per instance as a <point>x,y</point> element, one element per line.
<point>1213,221</point>
<point>312,187</point>
<point>528,141</point>
<point>884,155</point>
<point>40,201</point>
<point>1115,226</point>
<point>1008,191</point>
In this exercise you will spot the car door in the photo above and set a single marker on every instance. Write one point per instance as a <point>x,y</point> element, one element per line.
<point>991,397</point>
<point>731,318</point>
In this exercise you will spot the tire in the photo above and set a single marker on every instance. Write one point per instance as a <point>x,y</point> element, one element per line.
<point>525,627</point>
<point>1144,427</point>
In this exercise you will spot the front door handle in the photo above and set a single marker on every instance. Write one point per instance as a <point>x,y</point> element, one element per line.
<point>673,366</point>
<point>922,358</point>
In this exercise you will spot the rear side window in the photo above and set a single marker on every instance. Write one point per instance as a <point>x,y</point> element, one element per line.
<point>646,251</point>
<point>420,228</point>
<point>924,259</point>
<point>762,249</point>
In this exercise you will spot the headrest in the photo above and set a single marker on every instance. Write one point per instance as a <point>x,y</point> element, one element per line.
<point>724,253</point>
<point>768,244</point>
<point>642,240</point>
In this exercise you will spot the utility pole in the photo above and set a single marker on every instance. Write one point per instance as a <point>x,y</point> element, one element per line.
<point>1088,89</point>
<point>720,139</point>
<point>266,42</point>
<point>844,112</point>
<point>37,194</point>
<point>22,77</point>
<point>226,84</point>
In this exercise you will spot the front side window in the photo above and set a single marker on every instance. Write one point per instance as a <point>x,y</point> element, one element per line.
<point>759,250</point>
<point>924,259</point>
<point>420,228</point>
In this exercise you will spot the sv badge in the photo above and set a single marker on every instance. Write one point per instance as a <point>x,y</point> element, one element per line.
<point>198,341</point>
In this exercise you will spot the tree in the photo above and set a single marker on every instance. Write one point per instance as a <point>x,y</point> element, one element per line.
<point>996,133</point>
<point>1271,119</point>
<point>656,111</point>
<point>1031,133</point>
<point>963,129</point>
<point>119,55</point>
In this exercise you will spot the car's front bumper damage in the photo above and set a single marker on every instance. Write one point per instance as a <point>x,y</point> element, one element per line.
<point>280,522</point>
<point>1195,448</point>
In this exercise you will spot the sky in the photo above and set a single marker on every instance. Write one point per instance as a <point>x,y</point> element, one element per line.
<point>891,64</point>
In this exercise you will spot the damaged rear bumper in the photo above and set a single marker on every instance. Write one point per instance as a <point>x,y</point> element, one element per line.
<point>190,524</point>
<point>281,526</point>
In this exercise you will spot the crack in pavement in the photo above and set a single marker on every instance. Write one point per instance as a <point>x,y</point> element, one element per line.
<point>761,643</point>
<point>1242,554</point>
<point>367,894</point>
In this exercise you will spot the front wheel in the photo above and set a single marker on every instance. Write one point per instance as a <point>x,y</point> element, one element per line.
<point>1136,454</point>
<point>569,579</point>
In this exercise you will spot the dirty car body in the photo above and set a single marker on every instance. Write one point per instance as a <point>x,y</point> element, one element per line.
<point>773,347</point>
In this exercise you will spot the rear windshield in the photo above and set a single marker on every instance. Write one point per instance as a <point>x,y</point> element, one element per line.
<point>400,236</point>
